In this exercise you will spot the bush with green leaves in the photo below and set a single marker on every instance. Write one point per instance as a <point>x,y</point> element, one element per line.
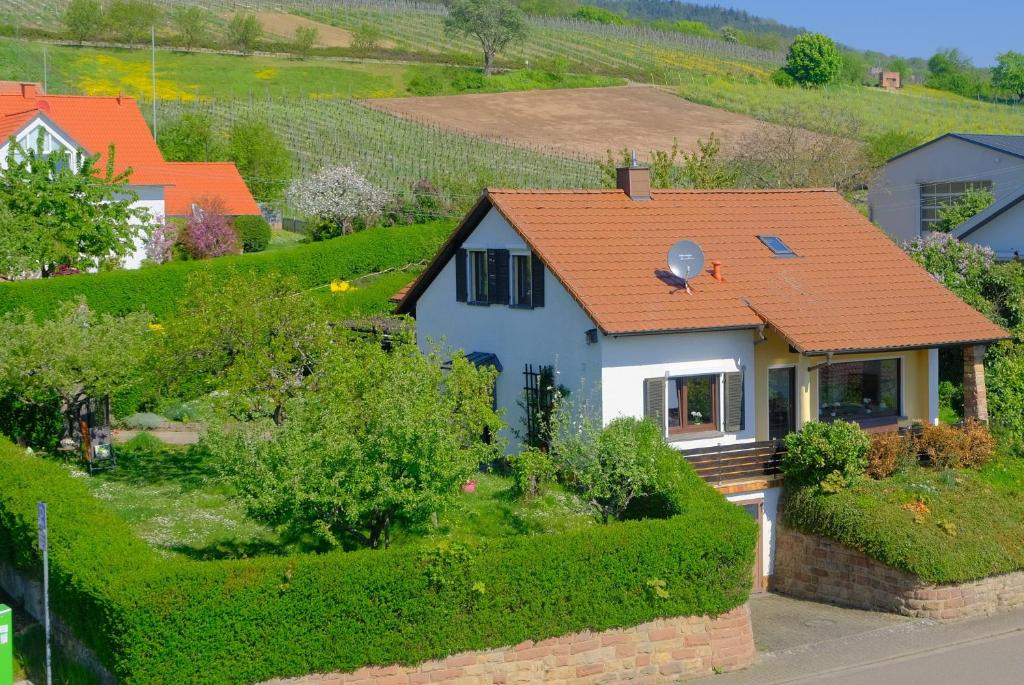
<point>244,32</point>
<point>253,232</point>
<point>952,214</point>
<point>610,466</point>
<point>819,449</point>
<point>343,610</point>
<point>813,60</point>
<point>158,290</point>
<point>83,20</point>
<point>532,471</point>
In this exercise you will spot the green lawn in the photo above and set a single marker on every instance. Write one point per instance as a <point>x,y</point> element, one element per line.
<point>173,499</point>
<point>367,297</point>
<point>941,525</point>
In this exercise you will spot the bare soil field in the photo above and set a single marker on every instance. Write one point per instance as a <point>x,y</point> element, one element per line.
<point>583,122</point>
<point>281,25</point>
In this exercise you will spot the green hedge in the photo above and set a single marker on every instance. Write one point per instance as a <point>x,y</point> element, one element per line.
<point>155,620</point>
<point>158,289</point>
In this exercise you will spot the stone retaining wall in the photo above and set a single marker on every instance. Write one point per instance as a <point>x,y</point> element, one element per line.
<point>816,568</point>
<point>661,651</point>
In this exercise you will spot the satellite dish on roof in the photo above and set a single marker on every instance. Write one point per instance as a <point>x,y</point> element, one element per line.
<point>686,259</point>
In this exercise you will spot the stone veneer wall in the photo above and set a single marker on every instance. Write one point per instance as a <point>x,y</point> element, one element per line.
<point>661,651</point>
<point>816,568</point>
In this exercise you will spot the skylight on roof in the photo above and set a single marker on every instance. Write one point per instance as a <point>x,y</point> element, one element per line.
<point>775,244</point>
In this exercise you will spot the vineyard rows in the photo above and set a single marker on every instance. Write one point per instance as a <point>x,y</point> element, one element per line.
<point>394,153</point>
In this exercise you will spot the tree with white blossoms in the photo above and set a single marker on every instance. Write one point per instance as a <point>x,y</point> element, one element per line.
<point>339,195</point>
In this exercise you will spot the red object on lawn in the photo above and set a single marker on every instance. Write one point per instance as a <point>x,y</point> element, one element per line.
<point>469,486</point>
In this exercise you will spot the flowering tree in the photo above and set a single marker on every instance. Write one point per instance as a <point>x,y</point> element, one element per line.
<point>160,246</point>
<point>339,195</point>
<point>209,232</point>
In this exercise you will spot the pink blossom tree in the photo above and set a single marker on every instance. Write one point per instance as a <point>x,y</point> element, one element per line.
<point>209,232</point>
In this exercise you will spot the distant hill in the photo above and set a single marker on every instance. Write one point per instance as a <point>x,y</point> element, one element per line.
<point>714,16</point>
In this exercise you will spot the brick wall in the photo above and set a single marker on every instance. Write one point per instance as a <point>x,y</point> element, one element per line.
<point>815,568</point>
<point>658,652</point>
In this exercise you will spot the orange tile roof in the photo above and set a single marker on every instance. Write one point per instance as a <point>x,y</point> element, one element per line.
<point>196,181</point>
<point>95,123</point>
<point>850,287</point>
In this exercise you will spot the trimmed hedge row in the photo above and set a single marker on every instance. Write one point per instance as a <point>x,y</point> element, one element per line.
<point>158,289</point>
<point>154,620</point>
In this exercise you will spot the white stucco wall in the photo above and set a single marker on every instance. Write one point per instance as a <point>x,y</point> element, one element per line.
<point>550,335</point>
<point>769,521</point>
<point>1004,234</point>
<point>894,196</point>
<point>28,137</point>
<point>151,198</point>
<point>628,360</point>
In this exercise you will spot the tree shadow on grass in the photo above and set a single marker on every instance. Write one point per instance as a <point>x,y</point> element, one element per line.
<point>151,464</point>
<point>232,549</point>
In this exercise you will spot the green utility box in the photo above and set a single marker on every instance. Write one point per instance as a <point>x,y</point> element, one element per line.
<point>6,645</point>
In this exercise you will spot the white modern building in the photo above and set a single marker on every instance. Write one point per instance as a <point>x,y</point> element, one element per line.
<point>908,193</point>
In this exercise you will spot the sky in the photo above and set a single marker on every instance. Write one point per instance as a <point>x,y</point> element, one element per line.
<point>911,28</point>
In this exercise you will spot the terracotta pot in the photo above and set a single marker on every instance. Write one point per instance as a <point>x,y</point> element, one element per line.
<point>469,486</point>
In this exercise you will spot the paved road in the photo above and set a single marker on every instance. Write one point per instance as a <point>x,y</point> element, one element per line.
<point>804,642</point>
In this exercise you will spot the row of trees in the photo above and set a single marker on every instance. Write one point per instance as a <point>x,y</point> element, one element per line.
<point>953,71</point>
<point>192,26</point>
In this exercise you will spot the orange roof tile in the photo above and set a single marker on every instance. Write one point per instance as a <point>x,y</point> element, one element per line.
<point>192,182</point>
<point>95,123</point>
<point>850,287</point>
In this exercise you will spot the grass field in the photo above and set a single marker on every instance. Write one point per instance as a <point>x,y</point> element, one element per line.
<point>172,498</point>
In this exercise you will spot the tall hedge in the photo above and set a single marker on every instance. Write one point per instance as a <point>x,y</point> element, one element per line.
<point>158,289</point>
<point>156,620</point>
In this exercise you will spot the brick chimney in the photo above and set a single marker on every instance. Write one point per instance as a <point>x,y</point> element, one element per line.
<point>975,397</point>
<point>30,90</point>
<point>634,180</point>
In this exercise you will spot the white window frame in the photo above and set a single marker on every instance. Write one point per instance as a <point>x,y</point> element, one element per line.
<point>513,283</point>
<point>472,295</point>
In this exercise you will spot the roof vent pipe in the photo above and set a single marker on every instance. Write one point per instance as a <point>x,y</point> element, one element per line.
<point>634,180</point>
<point>716,270</point>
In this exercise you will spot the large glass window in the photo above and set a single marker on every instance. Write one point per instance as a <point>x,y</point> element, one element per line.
<point>478,275</point>
<point>522,280</point>
<point>859,391</point>
<point>935,196</point>
<point>692,404</point>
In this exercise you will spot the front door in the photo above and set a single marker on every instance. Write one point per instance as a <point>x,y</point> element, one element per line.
<point>756,511</point>
<point>781,402</point>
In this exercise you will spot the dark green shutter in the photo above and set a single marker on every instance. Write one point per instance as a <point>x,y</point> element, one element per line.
<point>654,401</point>
<point>734,414</point>
<point>537,274</point>
<point>497,276</point>
<point>460,276</point>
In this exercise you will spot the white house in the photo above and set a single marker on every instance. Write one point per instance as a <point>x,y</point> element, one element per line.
<point>908,193</point>
<point>87,125</point>
<point>806,311</point>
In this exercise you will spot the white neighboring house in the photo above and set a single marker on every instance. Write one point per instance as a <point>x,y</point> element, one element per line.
<point>806,312</point>
<point>906,196</point>
<point>91,124</point>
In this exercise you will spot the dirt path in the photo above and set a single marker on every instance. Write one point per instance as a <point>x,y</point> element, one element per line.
<point>585,121</point>
<point>283,25</point>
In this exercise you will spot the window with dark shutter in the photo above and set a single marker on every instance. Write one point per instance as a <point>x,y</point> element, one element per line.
<point>497,273</point>
<point>537,274</point>
<point>654,401</point>
<point>461,290</point>
<point>734,414</point>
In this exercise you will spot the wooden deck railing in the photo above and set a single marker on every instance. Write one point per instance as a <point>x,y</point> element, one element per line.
<point>741,461</point>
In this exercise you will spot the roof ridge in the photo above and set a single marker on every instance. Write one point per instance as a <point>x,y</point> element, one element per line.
<point>47,96</point>
<point>659,191</point>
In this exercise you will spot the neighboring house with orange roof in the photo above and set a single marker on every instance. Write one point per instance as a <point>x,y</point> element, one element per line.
<point>807,312</point>
<point>90,125</point>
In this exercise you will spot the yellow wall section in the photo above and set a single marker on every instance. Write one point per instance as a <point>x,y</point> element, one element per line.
<point>774,351</point>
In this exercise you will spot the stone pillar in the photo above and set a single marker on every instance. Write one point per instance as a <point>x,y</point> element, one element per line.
<point>975,399</point>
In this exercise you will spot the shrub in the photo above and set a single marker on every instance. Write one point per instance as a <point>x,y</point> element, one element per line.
<point>341,611</point>
<point>889,453</point>
<point>783,79</point>
<point>142,421</point>
<point>948,447</point>
<point>160,246</point>
<point>613,465</point>
<point>159,290</point>
<point>253,232</point>
<point>813,59</point>
<point>209,234</point>
<point>532,471</point>
<point>818,449</point>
